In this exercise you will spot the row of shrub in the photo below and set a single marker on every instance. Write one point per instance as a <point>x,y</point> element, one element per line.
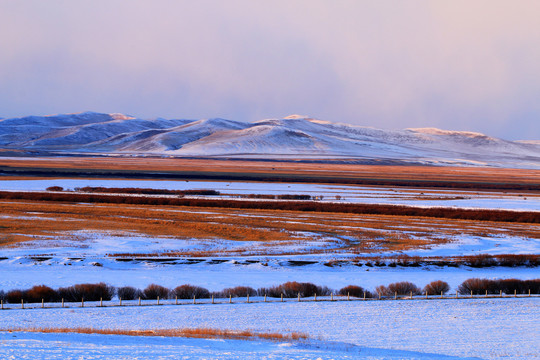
<point>373,209</point>
<point>477,261</point>
<point>280,197</point>
<point>142,191</point>
<point>291,289</point>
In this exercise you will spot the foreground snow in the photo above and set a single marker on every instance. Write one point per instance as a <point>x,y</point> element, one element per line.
<point>435,329</point>
<point>40,346</point>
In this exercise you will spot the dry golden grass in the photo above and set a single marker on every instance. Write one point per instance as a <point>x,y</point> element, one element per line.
<point>423,173</point>
<point>207,333</point>
<point>273,230</point>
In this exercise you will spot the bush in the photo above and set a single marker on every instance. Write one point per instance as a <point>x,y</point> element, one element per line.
<point>40,292</point>
<point>88,292</point>
<point>189,291</point>
<point>477,287</point>
<point>401,288</point>
<point>356,291</point>
<point>512,260</point>
<point>14,296</point>
<point>128,293</point>
<point>533,285</point>
<point>404,288</point>
<point>239,291</point>
<point>437,287</point>
<point>291,289</point>
<point>478,261</point>
<point>152,292</point>
<point>55,188</point>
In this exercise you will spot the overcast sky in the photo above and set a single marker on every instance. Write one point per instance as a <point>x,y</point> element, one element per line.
<point>459,65</point>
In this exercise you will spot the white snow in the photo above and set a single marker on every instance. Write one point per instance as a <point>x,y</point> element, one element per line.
<point>404,329</point>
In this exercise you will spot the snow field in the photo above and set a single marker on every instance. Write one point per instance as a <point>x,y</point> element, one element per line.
<point>483,328</point>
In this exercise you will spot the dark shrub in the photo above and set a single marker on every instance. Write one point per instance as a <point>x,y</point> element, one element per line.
<point>533,285</point>
<point>239,291</point>
<point>353,290</point>
<point>513,260</point>
<point>406,260</point>
<point>189,291</point>
<point>55,188</point>
<point>403,288</point>
<point>508,286</point>
<point>482,260</point>
<point>88,292</point>
<point>128,293</point>
<point>15,296</point>
<point>437,287</point>
<point>152,291</point>
<point>291,289</point>
<point>477,286</point>
<point>40,292</point>
<point>382,290</point>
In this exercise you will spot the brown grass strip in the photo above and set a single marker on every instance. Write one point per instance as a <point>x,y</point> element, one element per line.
<point>204,333</point>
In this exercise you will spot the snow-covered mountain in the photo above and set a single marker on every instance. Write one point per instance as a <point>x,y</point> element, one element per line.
<point>293,137</point>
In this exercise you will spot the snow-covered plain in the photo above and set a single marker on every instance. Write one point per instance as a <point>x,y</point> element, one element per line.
<point>404,329</point>
<point>347,193</point>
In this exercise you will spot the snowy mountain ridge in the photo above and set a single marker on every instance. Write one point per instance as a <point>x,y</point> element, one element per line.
<point>292,137</point>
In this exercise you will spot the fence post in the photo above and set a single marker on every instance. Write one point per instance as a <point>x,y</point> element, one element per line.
<point>139,301</point>
<point>194,299</point>
<point>248,298</point>
<point>100,302</point>
<point>22,303</point>
<point>2,301</point>
<point>529,292</point>
<point>471,294</point>
<point>379,296</point>
<point>281,297</point>
<point>395,295</point>
<point>176,300</point>
<point>315,296</point>
<point>500,294</point>
<point>441,294</point>
<point>230,299</point>
<point>264,297</point>
<point>348,297</point>
<point>364,295</point>
<point>120,301</point>
<point>212,298</point>
<point>515,293</point>
<point>62,302</point>
<point>456,294</point>
<point>298,297</point>
<point>411,295</point>
<point>158,300</point>
<point>42,303</point>
<point>82,302</point>
<point>486,293</point>
<point>331,296</point>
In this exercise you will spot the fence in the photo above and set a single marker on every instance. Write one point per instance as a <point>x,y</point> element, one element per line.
<point>248,300</point>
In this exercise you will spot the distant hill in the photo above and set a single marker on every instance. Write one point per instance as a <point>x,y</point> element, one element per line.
<point>293,137</point>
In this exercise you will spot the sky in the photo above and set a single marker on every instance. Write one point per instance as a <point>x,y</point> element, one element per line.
<point>458,65</point>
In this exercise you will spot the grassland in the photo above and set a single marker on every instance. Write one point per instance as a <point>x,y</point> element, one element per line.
<point>253,231</point>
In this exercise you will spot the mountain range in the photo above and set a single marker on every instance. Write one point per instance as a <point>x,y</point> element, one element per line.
<point>293,137</point>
